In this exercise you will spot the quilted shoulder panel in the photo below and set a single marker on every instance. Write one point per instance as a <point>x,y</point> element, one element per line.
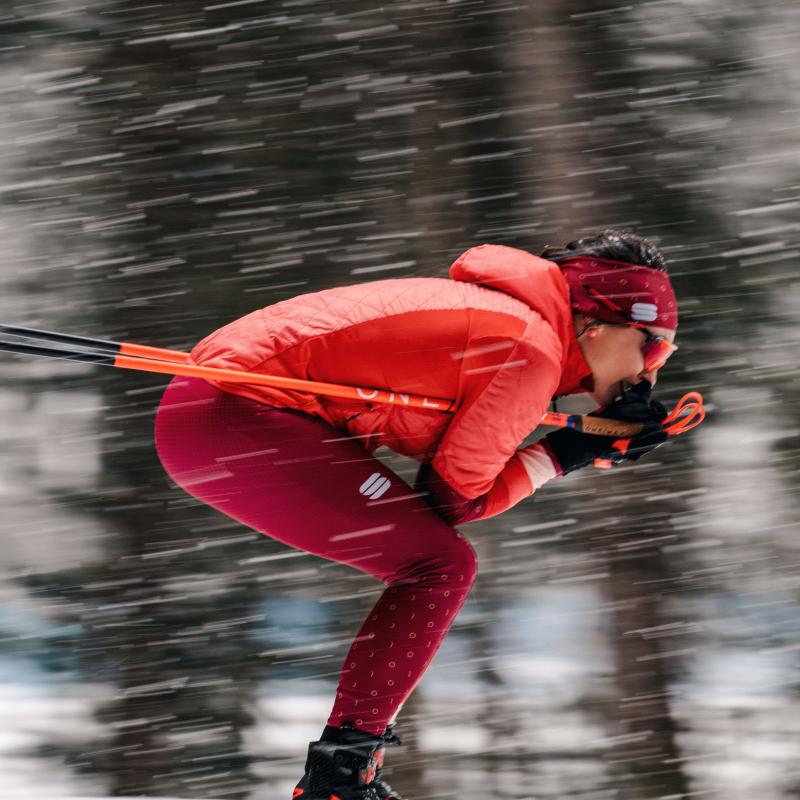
<point>257,337</point>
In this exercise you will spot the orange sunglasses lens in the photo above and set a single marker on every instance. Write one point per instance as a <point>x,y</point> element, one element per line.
<point>656,351</point>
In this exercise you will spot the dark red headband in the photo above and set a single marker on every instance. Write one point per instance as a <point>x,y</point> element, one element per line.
<point>618,292</point>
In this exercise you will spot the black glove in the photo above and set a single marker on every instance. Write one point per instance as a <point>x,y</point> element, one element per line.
<point>573,450</point>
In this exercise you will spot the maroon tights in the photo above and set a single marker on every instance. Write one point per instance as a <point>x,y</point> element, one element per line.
<point>295,478</point>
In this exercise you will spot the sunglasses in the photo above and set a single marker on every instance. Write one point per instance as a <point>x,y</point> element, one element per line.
<point>655,350</point>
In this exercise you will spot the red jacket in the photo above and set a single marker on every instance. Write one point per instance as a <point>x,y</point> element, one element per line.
<point>497,336</point>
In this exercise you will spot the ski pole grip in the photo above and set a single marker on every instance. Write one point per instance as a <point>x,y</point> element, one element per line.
<point>611,427</point>
<point>597,425</point>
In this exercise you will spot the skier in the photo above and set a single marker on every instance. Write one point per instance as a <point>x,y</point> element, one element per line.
<point>505,335</point>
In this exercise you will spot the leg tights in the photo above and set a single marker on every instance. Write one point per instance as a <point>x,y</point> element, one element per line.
<point>295,478</point>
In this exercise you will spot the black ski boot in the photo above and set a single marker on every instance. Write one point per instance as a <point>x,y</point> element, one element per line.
<point>345,764</point>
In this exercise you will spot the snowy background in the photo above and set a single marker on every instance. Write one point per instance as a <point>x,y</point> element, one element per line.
<point>166,167</point>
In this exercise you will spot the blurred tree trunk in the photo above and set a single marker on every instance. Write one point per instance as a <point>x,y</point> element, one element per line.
<point>646,758</point>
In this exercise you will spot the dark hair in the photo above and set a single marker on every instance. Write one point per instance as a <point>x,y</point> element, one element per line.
<point>613,244</point>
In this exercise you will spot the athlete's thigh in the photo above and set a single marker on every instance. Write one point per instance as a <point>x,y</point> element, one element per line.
<point>297,479</point>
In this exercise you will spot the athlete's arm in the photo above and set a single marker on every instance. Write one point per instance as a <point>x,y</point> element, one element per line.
<point>486,430</point>
<point>526,470</point>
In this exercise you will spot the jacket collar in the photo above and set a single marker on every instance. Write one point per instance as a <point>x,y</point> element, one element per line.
<point>576,374</point>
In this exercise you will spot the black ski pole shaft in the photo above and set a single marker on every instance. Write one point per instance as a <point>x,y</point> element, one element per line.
<point>107,345</point>
<point>53,352</point>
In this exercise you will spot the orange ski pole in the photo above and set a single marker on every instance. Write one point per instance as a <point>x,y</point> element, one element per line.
<point>146,358</point>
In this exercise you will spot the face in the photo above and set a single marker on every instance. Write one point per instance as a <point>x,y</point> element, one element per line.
<point>615,356</point>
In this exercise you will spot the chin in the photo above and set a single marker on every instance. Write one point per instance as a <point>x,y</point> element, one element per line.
<point>604,398</point>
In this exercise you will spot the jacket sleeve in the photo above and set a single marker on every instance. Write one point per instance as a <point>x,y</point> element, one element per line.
<point>488,427</point>
<point>526,470</point>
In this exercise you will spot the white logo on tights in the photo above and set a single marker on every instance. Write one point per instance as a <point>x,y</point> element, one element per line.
<point>375,485</point>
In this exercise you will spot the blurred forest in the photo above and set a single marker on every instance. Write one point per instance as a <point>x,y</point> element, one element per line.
<point>167,167</point>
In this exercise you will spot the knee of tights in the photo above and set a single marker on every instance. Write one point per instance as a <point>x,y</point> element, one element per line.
<point>457,566</point>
